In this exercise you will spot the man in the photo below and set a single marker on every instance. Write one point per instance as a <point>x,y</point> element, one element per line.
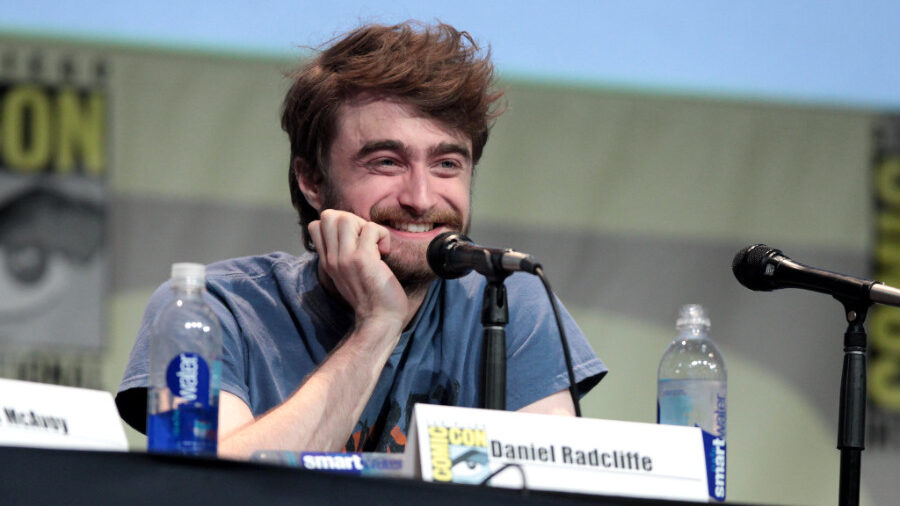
<point>331,350</point>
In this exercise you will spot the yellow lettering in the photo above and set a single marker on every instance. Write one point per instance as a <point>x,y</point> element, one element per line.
<point>887,181</point>
<point>884,330</point>
<point>889,223</point>
<point>26,151</point>
<point>884,387</point>
<point>440,454</point>
<point>884,324</point>
<point>886,252</point>
<point>81,130</point>
<point>467,437</point>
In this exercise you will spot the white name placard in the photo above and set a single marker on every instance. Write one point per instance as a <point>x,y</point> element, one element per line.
<point>52,416</point>
<point>465,445</point>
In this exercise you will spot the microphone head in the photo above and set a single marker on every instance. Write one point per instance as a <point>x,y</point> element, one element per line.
<point>438,255</point>
<point>749,267</point>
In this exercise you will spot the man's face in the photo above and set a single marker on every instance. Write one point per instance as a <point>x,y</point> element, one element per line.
<point>409,173</point>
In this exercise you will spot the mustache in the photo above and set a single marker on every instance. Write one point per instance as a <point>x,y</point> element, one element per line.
<point>440,217</point>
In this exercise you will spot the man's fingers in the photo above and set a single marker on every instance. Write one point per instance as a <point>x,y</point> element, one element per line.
<point>374,234</point>
<point>315,233</point>
<point>350,256</point>
<point>348,227</point>
<point>329,229</point>
<point>349,239</point>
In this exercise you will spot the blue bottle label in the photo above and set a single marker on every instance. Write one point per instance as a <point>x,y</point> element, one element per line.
<point>714,450</point>
<point>187,376</point>
<point>703,404</point>
<point>186,430</point>
<point>191,427</point>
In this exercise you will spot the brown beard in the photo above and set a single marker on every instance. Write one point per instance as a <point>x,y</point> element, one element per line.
<point>410,267</point>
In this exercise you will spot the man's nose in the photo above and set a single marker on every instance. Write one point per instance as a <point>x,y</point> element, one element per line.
<point>417,193</point>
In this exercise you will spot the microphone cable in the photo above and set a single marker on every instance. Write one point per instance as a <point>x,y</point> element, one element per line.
<point>503,468</point>
<point>573,387</point>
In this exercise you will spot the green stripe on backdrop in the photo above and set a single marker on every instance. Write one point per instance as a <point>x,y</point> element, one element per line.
<point>677,167</point>
<point>207,127</point>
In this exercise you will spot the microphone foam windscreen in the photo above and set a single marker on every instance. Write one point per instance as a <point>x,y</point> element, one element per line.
<point>749,266</point>
<point>438,255</point>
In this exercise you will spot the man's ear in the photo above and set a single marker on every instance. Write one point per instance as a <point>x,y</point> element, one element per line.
<point>309,181</point>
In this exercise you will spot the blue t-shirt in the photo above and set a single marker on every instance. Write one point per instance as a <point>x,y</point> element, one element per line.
<point>278,324</point>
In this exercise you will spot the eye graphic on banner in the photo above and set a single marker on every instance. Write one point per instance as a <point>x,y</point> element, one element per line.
<point>53,200</point>
<point>44,236</point>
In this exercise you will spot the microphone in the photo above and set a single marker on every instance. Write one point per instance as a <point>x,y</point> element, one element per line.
<point>761,268</point>
<point>452,255</point>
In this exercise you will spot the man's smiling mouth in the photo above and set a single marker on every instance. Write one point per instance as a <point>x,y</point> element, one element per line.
<point>416,228</point>
<point>401,220</point>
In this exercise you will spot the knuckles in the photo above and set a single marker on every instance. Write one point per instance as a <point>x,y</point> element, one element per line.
<point>338,259</point>
<point>334,217</point>
<point>374,229</point>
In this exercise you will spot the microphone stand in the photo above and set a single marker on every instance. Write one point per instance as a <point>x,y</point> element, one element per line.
<point>494,317</point>
<point>852,416</point>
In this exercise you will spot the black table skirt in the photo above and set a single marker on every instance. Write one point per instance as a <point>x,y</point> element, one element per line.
<point>31,476</point>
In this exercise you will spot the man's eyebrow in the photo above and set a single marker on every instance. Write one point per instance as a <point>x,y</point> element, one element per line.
<point>380,145</point>
<point>446,148</point>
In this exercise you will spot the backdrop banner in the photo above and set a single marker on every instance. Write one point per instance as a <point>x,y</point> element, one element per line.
<point>53,213</point>
<point>884,325</point>
<point>634,202</point>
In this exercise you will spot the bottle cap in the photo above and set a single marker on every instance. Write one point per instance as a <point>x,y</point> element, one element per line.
<point>692,315</point>
<point>189,273</point>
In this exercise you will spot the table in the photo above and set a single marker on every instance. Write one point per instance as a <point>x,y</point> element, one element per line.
<point>35,476</point>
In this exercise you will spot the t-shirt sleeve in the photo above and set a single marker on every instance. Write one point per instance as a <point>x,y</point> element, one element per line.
<point>131,397</point>
<point>536,365</point>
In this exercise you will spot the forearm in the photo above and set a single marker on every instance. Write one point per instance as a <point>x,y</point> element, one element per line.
<point>321,414</point>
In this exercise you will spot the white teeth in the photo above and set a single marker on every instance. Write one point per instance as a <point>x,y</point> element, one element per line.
<point>414,227</point>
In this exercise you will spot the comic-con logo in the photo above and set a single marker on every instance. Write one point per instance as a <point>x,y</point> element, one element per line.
<point>458,454</point>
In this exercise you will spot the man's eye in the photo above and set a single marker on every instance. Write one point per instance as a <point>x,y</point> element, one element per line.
<point>384,165</point>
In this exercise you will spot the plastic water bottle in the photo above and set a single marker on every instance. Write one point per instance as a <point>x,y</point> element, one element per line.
<point>692,390</point>
<point>185,369</point>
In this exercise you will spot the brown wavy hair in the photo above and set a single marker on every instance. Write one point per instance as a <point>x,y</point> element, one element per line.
<point>437,69</point>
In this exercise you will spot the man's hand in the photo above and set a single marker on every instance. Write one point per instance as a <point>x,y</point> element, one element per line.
<point>350,250</point>
<point>321,414</point>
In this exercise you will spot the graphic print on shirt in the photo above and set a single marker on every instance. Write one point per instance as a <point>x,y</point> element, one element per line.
<point>388,432</point>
